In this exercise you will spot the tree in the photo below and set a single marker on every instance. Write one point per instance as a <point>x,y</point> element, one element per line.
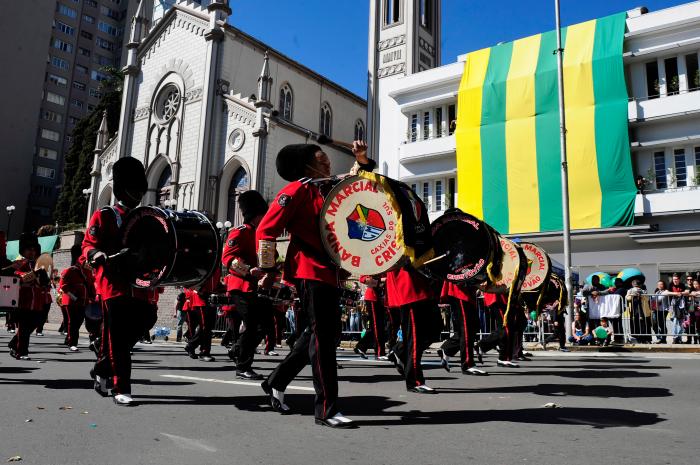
<point>71,208</point>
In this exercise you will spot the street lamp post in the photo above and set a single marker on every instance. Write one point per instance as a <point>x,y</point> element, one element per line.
<point>10,210</point>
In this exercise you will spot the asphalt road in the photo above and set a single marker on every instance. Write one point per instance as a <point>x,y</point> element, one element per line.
<point>612,409</point>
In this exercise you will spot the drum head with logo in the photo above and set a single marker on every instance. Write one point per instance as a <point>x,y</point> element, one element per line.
<point>509,267</point>
<point>463,246</point>
<point>359,227</point>
<point>538,267</point>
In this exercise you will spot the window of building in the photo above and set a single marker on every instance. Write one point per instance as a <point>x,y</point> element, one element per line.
<point>110,13</point>
<point>68,139</point>
<point>691,65</point>
<point>452,119</point>
<point>426,194</point>
<point>79,85</point>
<point>66,11</point>
<point>83,52</point>
<point>426,125</point>
<point>89,19</point>
<point>77,103</point>
<point>105,44</point>
<point>47,153</point>
<point>438,195</point>
<point>672,79</point>
<point>652,71</point>
<point>359,130</point>
<point>86,35</point>
<point>64,28</point>
<point>58,80</point>
<point>55,98</point>
<point>439,130</point>
<point>61,45</point>
<point>72,120</point>
<point>80,69</point>
<point>97,76</point>
<point>50,135</point>
<point>49,115</point>
<point>42,190</point>
<point>44,172</point>
<point>681,170</point>
<point>426,14</point>
<point>414,188</point>
<point>413,135</point>
<point>450,201</point>
<point>660,170</point>
<point>91,3</point>
<point>108,28</point>
<point>90,107</point>
<point>95,93</point>
<point>286,102</point>
<point>326,125</point>
<point>392,12</point>
<point>103,61</point>
<point>60,63</point>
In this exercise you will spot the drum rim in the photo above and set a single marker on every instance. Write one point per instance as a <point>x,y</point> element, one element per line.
<point>161,213</point>
<point>217,248</point>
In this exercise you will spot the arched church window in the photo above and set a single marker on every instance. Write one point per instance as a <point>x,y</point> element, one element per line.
<point>163,189</point>
<point>359,130</point>
<point>326,125</point>
<point>239,184</point>
<point>286,102</point>
<point>167,103</point>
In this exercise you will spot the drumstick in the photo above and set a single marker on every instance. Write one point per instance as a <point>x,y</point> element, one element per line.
<point>438,258</point>
<point>325,140</point>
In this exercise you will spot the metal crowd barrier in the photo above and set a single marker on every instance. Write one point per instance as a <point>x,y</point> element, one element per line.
<point>659,318</point>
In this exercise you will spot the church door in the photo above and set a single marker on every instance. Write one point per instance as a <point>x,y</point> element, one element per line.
<point>240,183</point>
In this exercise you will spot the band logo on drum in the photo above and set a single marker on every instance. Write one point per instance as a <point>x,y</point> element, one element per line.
<point>365,224</point>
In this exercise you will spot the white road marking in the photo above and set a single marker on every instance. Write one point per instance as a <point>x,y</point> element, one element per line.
<point>238,383</point>
<point>189,444</point>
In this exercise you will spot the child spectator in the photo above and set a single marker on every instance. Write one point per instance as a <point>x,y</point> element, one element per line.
<point>580,331</point>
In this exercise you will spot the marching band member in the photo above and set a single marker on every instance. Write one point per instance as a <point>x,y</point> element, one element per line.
<point>462,301</point>
<point>375,334</point>
<point>411,292</point>
<point>503,335</point>
<point>203,317</point>
<point>297,209</point>
<point>240,258</point>
<point>32,295</point>
<point>125,316</point>
<point>76,292</point>
<point>6,270</point>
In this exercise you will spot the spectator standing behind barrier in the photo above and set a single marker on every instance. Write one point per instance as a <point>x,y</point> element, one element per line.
<point>640,319</point>
<point>558,332</point>
<point>660,311</point>
<point>592,291</point>
<point>580,331</point>
<point>620,289</point>
<point>695,312</point>
<point>678,307</point>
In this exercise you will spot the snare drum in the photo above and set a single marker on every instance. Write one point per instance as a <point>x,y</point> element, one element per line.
<point>464,246</point>
<point>371,224</point>
<point>9,292</point>
<point>169,248</point>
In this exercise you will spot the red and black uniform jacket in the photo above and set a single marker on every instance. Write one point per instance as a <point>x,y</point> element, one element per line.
<point>450,289</point>
<point>405,286</point>
<point>77,287</point>
<point>212,285</point>
<point>32,296</point>
<point>241,246</point>
<point>372,293</point>
<point>297,209</point>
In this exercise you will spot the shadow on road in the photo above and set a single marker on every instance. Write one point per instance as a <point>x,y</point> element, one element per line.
<point>576,390</point>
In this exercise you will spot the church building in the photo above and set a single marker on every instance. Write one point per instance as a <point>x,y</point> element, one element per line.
<point>206,107</point>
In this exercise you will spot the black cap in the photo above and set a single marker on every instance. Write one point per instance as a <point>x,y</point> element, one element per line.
<point>75,253</point>
<point>292,160</point>
<point>129,180</point>
<point>28,240</point>
<point>252,204</point>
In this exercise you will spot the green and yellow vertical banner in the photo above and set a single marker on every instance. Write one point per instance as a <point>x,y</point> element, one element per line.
<point>508,150</point>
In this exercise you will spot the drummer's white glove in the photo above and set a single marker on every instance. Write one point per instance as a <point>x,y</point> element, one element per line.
<point>267,281</point>
<point>239,267</point>
<point>97,257</point>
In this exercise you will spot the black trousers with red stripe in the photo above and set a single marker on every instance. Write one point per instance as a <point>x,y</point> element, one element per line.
<point>316,345</point>
<point>256,313</point>
<point>124,319</point>
<point>375,335</point>
<point>27,321</point>
<point>393,324</point>
<point>466,325</point>
<point>418,324</point>
<point>204,329</point>
<point>75,315</point>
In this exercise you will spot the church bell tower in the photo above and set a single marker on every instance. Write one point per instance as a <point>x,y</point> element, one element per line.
<point>404,38</point>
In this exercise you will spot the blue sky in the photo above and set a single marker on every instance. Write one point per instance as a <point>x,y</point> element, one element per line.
<point>330,37</point>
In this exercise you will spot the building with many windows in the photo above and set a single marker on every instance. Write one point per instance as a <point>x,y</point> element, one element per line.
<point>417,117</point>
<point>58,49</point>
<point>207,107</point>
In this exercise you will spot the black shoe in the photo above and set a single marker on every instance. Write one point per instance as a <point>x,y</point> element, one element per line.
<point>522,358</point>
<point>13,354</point>
<point>249,374</point>
<point>443,360</point>
<point>207,358</point>
<point>232,355</point>
<point>479,355</point>
<point>191,352</point>
<point>337,421</point>
<point>391,356</point>
<point>276,405</point>
<point>422,389</point>
<point>360,352</point>
<point>100,386</point>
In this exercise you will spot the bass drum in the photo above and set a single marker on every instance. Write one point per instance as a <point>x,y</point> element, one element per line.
<point>464,246</point>
<point>169,248</point>
<point>539,267</point>
<point>371,224</point>
<point>512,270</point>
